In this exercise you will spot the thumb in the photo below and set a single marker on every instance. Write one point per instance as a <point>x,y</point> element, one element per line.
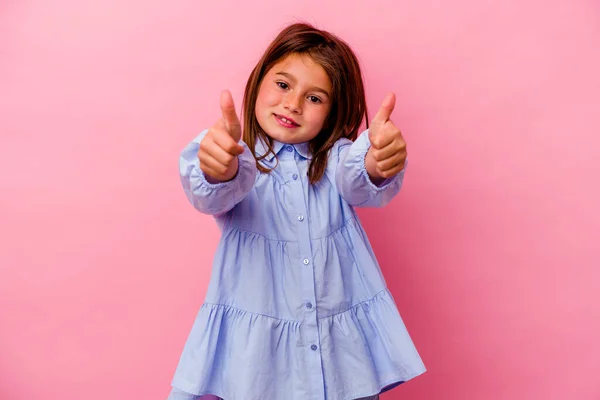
<point>385,111</point>
<point>232,123</point>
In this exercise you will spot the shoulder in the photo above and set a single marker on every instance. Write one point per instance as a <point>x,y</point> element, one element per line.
<point>338,146</point>
<point>336,155</point>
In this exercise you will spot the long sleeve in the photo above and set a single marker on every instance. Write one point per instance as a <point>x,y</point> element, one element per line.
<point>217,198</point>
<point>352,179</point>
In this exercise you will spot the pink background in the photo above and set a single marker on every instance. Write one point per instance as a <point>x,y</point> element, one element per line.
<point>491,250</point>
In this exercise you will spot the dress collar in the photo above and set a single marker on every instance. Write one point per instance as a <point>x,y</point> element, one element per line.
<point>261,148</point>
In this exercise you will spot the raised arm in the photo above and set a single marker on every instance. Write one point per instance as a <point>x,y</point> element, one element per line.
<point>371,170</point>
<point>217,169</point>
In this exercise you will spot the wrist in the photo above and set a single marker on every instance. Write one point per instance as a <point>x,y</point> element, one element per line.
<point>371,167</point>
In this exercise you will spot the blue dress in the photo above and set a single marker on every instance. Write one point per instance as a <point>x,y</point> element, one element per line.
<point>297,307</point>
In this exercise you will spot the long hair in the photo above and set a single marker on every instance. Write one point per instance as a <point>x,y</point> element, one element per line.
<point>348,104</point>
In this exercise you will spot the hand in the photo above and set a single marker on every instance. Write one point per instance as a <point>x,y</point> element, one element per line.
<point>387,154</point>
<point>219,150</point>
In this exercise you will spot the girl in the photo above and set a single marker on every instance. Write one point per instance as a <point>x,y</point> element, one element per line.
<point>297,307</point>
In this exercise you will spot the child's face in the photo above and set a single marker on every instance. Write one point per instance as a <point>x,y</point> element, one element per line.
<point>294,100</point>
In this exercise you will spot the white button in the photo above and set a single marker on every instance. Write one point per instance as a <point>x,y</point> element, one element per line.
<point>301,218</point>
<point>305,261</point>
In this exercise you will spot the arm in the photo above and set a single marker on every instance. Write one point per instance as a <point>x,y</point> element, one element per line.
<point>219,197</point>
<point>371,170</point>
<point>352,178</point>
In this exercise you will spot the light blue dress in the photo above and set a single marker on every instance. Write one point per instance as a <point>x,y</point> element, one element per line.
<point>297,307</point>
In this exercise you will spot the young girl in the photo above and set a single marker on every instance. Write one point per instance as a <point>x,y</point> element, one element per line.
<point>297,307</point>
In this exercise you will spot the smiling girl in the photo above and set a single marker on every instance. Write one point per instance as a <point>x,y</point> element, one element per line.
<point>297,307</point>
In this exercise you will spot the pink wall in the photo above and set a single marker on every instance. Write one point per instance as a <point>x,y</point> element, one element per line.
<point>491,249</point>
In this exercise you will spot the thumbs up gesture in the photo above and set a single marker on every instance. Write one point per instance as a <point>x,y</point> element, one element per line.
<point>219,150</point>
<point>387,154</point>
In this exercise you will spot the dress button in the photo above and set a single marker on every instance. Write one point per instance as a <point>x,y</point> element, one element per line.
<point>308,304</point>
<point>288,148</point>
<point>301,218</point>
<point>313,347</point>
<point>305,261</point>
<point>295,176</point>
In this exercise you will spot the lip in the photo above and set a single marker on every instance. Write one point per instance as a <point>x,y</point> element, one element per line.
<point>293,125</point>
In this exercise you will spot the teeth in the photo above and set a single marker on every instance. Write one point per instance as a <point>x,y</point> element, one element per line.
<point>286,120</point>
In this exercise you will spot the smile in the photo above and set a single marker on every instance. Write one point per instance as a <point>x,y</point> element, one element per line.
<point>287,122</point>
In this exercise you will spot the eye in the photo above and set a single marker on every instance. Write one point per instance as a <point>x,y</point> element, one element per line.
<point>282,85</point>
<point>314,99</point>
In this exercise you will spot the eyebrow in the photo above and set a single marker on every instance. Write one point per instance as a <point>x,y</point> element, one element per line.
<point>292,78</point>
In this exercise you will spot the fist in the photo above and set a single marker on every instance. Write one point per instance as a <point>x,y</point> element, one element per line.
<point>219,150</point>
<point>387,154</point>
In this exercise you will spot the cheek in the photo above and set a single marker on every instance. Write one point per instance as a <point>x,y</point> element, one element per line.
<point>318,117</point>
<point>266,98</point>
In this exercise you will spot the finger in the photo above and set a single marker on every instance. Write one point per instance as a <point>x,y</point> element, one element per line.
<point>213,166</point>
<point>214,176</point>
<point>232,122</point>
<point>390,172</point>
<point>214,161</point>
<point>223,139</point>
<point>385,111</point>
<point>384,135</point>
<point>210,172</point>
<point>380,140</point>
<point>389,150</point>
<point>391,162</point>
<point>210,149</point>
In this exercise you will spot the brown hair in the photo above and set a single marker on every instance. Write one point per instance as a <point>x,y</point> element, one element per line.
<point>348,104</point>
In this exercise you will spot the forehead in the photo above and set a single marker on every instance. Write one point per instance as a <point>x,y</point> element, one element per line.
<point>304,69</point>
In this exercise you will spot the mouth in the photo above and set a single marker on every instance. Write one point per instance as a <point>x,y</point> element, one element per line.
<point>285,121</point>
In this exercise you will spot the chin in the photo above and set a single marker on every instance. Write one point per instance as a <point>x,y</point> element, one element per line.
<point>289,139</point>
<point>277,133</point>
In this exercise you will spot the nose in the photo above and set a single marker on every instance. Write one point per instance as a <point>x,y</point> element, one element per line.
<point>293,103</point>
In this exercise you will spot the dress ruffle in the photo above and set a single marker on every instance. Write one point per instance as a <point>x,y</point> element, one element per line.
<point>349,341</point>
